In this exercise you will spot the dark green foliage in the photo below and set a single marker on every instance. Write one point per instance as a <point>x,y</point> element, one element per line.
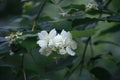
<point>101,73</point>
<point>96,32</point>
<point>10,7</point>
<point>112,29</point>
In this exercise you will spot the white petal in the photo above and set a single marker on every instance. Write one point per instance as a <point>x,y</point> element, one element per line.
<point>51,45</point>
<point>59,41</point>
<point>66,35</point>
<point>51,42</point>
<point>52,33</point>
<point>73,44</point>
<point>69,35</point>
<point>69,51</point>
<point>42,34</point>
<point>45,51</point>
<point>42,43</point>
<point>62,51</point>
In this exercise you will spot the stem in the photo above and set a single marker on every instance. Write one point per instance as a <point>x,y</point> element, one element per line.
<point>107,4</point>
<point>81,62</point>
<point>84,53</point>
<point>39,13</point>
<point>22,66</point>
<point>91,48</point>
<point>21,69</point>
<point>34,24</point>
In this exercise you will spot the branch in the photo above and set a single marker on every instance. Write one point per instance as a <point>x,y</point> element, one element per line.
<point>84,53</point>
<point>38,15</point>
<point>22,66</point>
<point>91,48</point>
<point>81,62</point>
<point>107,4</point>
<point>21,69</point>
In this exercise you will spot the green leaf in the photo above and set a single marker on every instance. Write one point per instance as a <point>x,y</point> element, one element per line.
<point>61,64</point>
<point>9,67</point>
<point>93,12</point>
<point>106,42</point>
<point>49,1</point>
<point>45,18</point>
<point>110,19</point>
<point>85,75</point>
<point>85,33</point>
<point>29,40</point>
<point>75,6</point>
<point>81,21</point>
<point>29,43</point>
<point>58,25</point>
<point>67,25</point>
<point>101,73</point>
<point>111,29</point>
<point>4,48</point>
<point>3,64</point>
<point>6,73</point>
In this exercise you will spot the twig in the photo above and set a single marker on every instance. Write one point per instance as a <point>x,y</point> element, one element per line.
<point>91,48</point>
<point>21,69</point>
<point>84,53</point>
<point>107,4</point>
<point>39,13</point>
<point>92,51</point>
<point>22,66</point>
<point>82,60</point>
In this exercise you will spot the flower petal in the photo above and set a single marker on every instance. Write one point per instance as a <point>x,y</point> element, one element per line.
<point>62,51</point>
<point>52,33</point>
<point>69,51</point>
<point>42,43</point>
<point>42,34</point>
<point>59,41</point>
<point>66,35</point>
<point>73,45</point>
<point>51,45</point>
<point>45,51</point>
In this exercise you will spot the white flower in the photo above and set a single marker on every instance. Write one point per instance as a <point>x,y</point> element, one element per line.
<point>57,41</point>
<point>60,40</point>
<point>91,5</point>
<point>14,36</point>
<point>44,37</point>
<point>43,41</point>
<point>62,43</point>
<point>70,44</point>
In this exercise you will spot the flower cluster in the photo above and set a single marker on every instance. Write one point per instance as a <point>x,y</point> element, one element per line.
<point>13,36</point>
<point>91,5</point>
<point>62,42</point>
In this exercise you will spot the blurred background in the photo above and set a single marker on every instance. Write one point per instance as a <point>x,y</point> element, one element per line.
<point>20,15</point>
